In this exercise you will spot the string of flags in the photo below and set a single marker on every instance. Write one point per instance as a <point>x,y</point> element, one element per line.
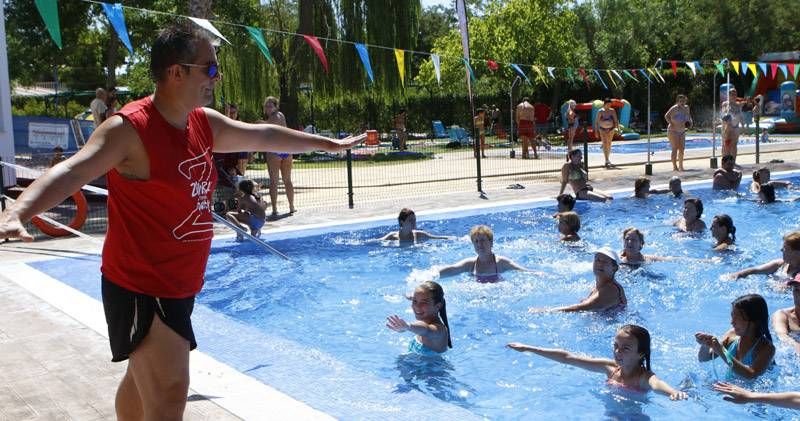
<point>114,12</point>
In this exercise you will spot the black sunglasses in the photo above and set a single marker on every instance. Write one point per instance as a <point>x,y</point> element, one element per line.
<point>213,68</point>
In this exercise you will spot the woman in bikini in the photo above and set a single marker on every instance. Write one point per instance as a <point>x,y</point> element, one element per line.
<point>485,266</point>
<point>678,120</point>
<point>278,162</point>
<point>747,348</point>
<point>731,113</point>
<point>605,125</point>
<point>630,368</point>
<point>572,172</point>
<point>572,123</point>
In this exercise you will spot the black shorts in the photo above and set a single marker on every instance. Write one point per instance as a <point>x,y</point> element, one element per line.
<point>130,314</point>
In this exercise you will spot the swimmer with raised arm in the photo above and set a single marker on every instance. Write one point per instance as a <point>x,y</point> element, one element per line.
<point>787,267</point>
<point>723,231</point>
<point>692,211</point>
<point>431,330</point>
<point>630,368</point>
<point>486,266</point>
<point>674,188</point>
<point>746,348</point>
<point>785,322</point>
<point>572,173</point>
<point>607,293</point>
<point>408,232</point>
<point>762,176</point>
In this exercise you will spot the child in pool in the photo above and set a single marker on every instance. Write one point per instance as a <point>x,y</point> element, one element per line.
<point>250,213</point>
<point>569,223</point>
<point>632,244</point>
<point>431,330</point>
<point>630,368</point>
<point>787,267</point>
<point>408,231</point>
<point>486,266</point>
<point>747,347</point>
<point>692,211</point>
<point>762,176</point>
<point>723,231</point>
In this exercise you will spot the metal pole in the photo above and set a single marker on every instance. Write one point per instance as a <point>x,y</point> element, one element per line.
<point>586,147</point>
<point>2,187</point>
<point>758,150</point>
<point>713,161</point>
<point>349,179</point>
<point>648,167</point>
<point>511,114</point>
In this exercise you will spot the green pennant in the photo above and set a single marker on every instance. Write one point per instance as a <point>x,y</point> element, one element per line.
<point>49,11</point>
<point>627,73</point>
<point>796,70</point>
<point>469,68</point>
<point>721,68</point>
<point>258,37</point>
<point>569,73</point>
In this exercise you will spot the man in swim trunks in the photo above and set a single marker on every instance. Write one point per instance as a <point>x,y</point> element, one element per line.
<point>785,322</point>
<point>156,154</point>
<point>727,177</point>
<point>526,127</point>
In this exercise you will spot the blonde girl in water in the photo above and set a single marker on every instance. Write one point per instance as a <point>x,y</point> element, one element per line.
<point>630,368</point>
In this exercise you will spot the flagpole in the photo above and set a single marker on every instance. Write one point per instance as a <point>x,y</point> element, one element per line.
<point>461,11</point>
<point>648,167</point>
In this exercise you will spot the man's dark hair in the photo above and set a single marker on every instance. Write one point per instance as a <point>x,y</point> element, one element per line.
<point>175,44</point>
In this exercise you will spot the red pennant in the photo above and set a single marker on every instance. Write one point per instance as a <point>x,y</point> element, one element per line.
<point>492,65</point>
<point>774,67</point>
<point>313,42</point>
<point>674,68</point>
<point>583,75</point>
<point>791,69</point>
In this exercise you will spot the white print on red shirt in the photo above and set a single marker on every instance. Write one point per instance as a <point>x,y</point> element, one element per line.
<point>198,171</point>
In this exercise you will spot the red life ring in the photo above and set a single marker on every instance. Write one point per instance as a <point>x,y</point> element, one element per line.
<point>76,223</point>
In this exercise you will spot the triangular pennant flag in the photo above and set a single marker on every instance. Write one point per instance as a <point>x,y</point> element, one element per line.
<point>400,55</point>
<point>627,73</point>
<point>690,64</point>
<point>520,72</point>
<point>621,79</point>
<point>611,78</point>
<point>117,18</point>
<point>653,73</point>
<point>697,66</point>
<point>436,68</point>
<point>48,9</point>
<point>313,42</point>
<point>570,75</point>
<point>720,68</point>
<point>763,67</point>
<point>469,68</point>
<point>675,68</point>
<point>258,37</point>
<point>785,72</point>
<point>550,71</point>
<point>601,79</point>
<point>585,78</point>
<point>362,53</point>
<point>645,75</point>
<point>492,65</point>
<point>539,73</point>
<point>753,69</point>
<point>745,65</point>
<point>205,24</point>
<point>774,68</point>
<point>792,70</point>
<point>735,65</point>
<point>796,69</point>
<point>658,75</point>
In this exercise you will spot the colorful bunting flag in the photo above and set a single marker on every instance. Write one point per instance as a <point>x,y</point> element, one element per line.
<point>796,69</point>
<point>690,64</point>
<point>763,67</point>
<point>313,42</point>
<point>611,78</point>
<point>720,68</point>
<point>674,65</point>
<point>785,72</point>
<point>400,56</point>
<point>585,78</point>
<point>205,24</point>
<point>735,65</point>
<point>627,73</point>
<point>654,74</point>
<point>539,73</point>
<point>644,73</point>
<point>657,74</point>
<point>520,72</point>
<point>621,79</point>
<point>117,18</point>
<point>436,67</point>
<point>469,69</point>
<point>550,71</point>
<point>258,37</point>
<point>774,68</point>
<point>492,65</point>
<point>600,78</point>
<point>745,65</point>
<point>362,53</point>
<point>570,75</point>
<point>697,65</point>
<point>48,9</point>
<point>753,69</point>
<point>793,69</point>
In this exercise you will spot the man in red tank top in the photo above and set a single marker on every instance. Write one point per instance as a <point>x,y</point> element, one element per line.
<point>157,153</point>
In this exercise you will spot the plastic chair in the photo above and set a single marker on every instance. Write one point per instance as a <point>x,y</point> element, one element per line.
<point>438,129</point>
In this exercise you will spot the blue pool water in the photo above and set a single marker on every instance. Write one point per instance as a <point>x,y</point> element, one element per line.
<point>660,145</point>
<point>314,327</point>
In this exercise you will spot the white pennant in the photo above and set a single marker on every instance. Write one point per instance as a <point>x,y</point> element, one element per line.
<point>618,75</point>
<point>205,24</point>
<point>550,70</point>
<point>436,68</point>
<point>691,66</point>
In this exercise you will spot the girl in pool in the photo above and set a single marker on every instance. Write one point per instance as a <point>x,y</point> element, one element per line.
<point>630,368</point>
<point>486,266</point>
<point>723,231</point>
<point>786,267</point>
<point>747,348</point>
<point>408,232</point>
<point>572,172</point>
<point>432,333</point>
<point>762,176</point>
<point>607,294</point>
<point>605,125</point>
<point>250,213</point>
<point>572,123</point>
<point>678,120</point>
<point>569,223</point>
<point>692,211</point>
<point>633,242</point>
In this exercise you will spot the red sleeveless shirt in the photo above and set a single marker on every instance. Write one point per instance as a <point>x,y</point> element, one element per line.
<point>160,230</point>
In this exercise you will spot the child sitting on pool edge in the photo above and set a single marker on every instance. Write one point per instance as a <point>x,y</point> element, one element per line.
<point>630,368</point>
<point>250,212</point>
<point>432,332</point>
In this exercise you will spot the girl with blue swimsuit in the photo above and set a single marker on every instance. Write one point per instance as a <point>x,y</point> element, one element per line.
<point>747,349</point>
<point>432,332</point>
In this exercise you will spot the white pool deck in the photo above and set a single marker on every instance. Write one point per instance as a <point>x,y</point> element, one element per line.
<point>53,350</point>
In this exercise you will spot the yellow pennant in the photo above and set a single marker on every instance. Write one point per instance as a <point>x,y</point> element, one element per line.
<point>610,76</point>
<point>752,67</point>
<point>401,68</point>
<point>735,65</point>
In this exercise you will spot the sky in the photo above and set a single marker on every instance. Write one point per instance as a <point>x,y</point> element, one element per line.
<point>428,3</point>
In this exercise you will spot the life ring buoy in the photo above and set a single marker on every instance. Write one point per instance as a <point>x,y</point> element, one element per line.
<point>77,222</point>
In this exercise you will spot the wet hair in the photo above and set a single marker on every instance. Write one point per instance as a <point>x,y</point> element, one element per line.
<point>727,158</point>
<point>754,308</point>
<point>726,221</point>
<point>698,204</point>
<point>757,173</point>
<point>639,184</point>
<point>572,152</point>
<point>634,230</point>
<point>404,214</point>
<point>572,219</point>
<point>768,192</point>
<point>248,187</point>
<point>642,342</point>
<point>177,43</point>
<point>481,229</point>
<point>792,240</point>
<point>567,200</point>
<point>437,294</point>
<point>607,100</point>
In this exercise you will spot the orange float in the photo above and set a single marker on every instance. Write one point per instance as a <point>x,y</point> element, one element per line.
<point>76,223</point>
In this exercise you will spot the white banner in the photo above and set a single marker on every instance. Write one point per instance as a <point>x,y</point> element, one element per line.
<point>48,136</point>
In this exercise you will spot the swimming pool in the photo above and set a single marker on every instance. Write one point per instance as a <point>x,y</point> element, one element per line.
<point>660,145</point>
<point>314,327</point>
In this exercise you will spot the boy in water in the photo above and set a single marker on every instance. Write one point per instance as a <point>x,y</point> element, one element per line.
<point>408,231</point>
